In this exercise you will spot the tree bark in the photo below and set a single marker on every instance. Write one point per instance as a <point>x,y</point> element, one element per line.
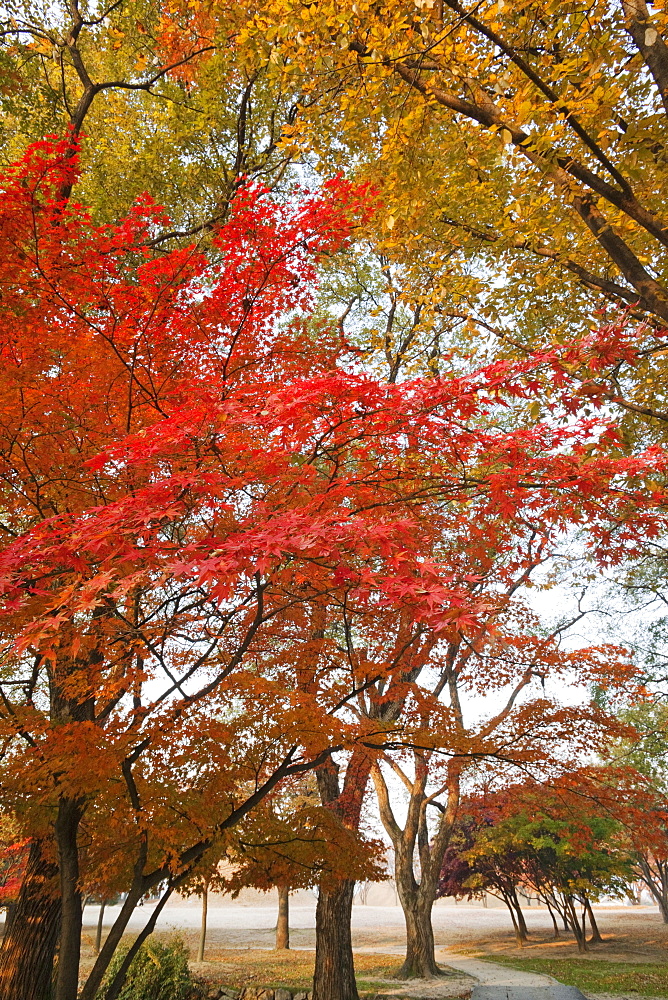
<point>595,933</point>
<point>657,883</point>
<point>202,933</point>
<point>70,812</point>
<point>100,922</point>
<point>513,917</point>
<point>334,977</point>
<point>417,896</point>
<point>283,921</point>
<point>29,945</point>
<point>521,922</point>
<point>574,921</point>
<point>420,961</point>
<point>554,920</point>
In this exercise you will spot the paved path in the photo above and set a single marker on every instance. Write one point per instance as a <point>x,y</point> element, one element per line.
<point>493,975</point>
<point>557,991</point>
<point>499,983</point>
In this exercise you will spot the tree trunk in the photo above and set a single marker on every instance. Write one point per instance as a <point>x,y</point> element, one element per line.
<point>69,951</point>
<point>576,927</point>
<point>29,945</point>
<point>420,961</point>
<point>98,932</point>
<point>202,933</point>
<point>554,919</point>
<point>657,883</point>
<point>334,977</point>
<point>111,942</point>
<point>513,917</point>
<point>117,983</point>
<point>595,933</point>
<point>663,907</point>
<point>283,921</point>
<point>521,922</point>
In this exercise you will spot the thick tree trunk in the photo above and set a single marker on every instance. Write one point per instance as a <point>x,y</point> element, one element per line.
<point>334,977</point>
<point>69,951</point>
<point>202,932</point>
<point>420,961</point>
<point>283,921</point>
<point>29,944</point>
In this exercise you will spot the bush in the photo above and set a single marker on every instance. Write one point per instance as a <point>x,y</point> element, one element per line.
<point>157,972</point>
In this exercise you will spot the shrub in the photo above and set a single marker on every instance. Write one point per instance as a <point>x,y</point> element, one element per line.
<point>157,972</point>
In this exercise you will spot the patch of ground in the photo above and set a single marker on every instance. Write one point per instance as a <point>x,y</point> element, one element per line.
<point>617,996</point>
<point>293,969</point>
<point>629,936</point>
<point>599,975</point>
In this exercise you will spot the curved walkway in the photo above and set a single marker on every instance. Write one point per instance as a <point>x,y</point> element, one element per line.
<point>491,974</point>
<point>499,983</point>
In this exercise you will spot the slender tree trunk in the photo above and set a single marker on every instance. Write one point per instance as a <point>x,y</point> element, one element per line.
<point>334,977</point>
<point>98,932</point>
<point>554,919</point>
<point>117,983</point>
<point>69,951</point>
<point>521,922</point>
<point>111,942</point>
<point>658,886</point>
<point>595,933</point>
<point>29,945</point>
<point>513,917</point>
<point>202,933</point>
<point>283,921</point>
<point>576,927</point>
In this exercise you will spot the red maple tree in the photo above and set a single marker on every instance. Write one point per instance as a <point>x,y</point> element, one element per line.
<point>198,496</point>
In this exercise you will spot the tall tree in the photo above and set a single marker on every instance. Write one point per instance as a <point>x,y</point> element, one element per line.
<point>511,659</point>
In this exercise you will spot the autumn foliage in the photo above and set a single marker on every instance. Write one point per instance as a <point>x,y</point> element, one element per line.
<point>201,492</point>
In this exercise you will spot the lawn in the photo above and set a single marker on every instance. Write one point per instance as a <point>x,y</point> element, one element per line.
<point>291,969</point>
<point>598,975</point>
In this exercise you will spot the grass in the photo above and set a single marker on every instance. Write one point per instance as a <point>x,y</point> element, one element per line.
<point>290,969</point>
<point>598,975</point>
<point>293,969</point>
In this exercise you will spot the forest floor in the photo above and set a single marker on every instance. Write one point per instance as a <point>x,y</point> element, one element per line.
<point>240,936</point>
